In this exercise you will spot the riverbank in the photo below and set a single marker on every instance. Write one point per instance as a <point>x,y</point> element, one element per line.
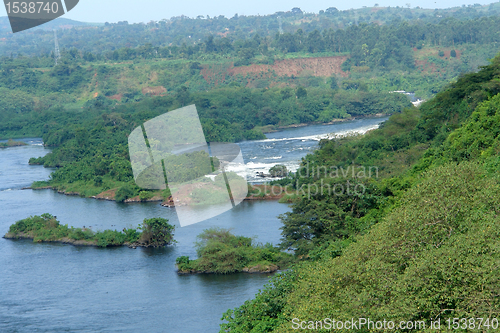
<point>255,192</point>
<point>286,149</point>
<point>274,128</point>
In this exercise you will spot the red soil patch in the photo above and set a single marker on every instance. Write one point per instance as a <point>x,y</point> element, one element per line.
<point>325,66</point>
<point>426,66</point>
<point>117,97</point>
<point>431,68</point>
<point>107,195</point>
<point>154,91</point>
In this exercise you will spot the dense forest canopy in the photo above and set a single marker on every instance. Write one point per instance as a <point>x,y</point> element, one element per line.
<point>181,30</point>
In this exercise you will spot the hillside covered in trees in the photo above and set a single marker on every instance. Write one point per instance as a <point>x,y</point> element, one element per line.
<point>176,31</point>
<point>420,244</point>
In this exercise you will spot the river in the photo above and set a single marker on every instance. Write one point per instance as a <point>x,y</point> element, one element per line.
<point>56,287</point>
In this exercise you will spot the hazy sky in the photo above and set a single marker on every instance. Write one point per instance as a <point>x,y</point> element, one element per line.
<point>146,10</point>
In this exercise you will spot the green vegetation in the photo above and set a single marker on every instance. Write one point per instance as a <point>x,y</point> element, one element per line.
<point>410,235</point>
<point>221,252</point>
<point>156,232</point>
<point>419,243</point>
<point>249,79</point>
<point>12,143</point>
<point>91,151</point>
<point>181,34</point>
<point>279,170</point>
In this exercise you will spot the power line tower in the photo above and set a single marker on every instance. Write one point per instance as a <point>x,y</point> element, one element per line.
<point>57,53</point>
<point>280,29</point>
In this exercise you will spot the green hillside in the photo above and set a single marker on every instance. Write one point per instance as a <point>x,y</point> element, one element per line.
<point>420,244</point>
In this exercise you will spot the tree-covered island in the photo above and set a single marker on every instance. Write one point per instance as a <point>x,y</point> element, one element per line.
<point>154,232</point>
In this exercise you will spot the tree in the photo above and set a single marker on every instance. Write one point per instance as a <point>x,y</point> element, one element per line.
<point>333,83</point>
<point>156,232</point>
<point>332,11</point>
<point>453,53</point>
<point>183,95</point>
<point>315,42</point>
<point>301,92</point>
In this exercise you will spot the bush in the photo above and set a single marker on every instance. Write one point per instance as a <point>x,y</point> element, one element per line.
<point>81,234</point>
<point>131,235</point>
<point>453,53</point>
<point>124,192</point>
<point>110,238</point>
<point>182,260</point>
<point>221,252</point>
<point>145,195</point>
<point>441,53</point>
<point>278,170</point>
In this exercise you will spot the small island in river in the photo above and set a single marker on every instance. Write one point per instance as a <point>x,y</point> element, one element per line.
<point>221,252</point>
<point>12,143</point>
<point>155,232</point>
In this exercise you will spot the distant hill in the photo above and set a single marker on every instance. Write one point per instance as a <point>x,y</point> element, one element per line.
<point>179,30</point>
<point>59,23</point>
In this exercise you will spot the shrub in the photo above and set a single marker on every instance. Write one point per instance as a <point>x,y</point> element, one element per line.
<point>110,238</point>
<point>131,235</point>
<point>182,260</point>
<point>81,234</point>
<point>123,193</point>
<point>221,252</point>
<point>145,195</point>
<point>278,170</point>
